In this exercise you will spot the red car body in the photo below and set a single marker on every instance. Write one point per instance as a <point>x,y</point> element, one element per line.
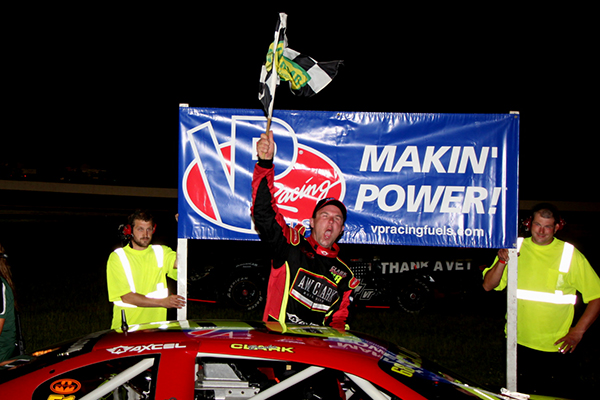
<point>229,360</point>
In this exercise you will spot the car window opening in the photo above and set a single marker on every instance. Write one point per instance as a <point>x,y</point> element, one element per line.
<point>240,378</point>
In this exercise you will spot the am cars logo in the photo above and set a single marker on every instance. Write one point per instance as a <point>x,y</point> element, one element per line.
<point>65,386</point>
<point>221,155</point>
<point>147,347</point>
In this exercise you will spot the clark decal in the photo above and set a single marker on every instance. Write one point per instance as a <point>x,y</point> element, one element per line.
<point>261,347</point>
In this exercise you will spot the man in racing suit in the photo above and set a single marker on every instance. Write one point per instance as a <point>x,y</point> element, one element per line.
<point>308,284</point>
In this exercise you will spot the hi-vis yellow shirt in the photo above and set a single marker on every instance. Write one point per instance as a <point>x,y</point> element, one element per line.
<point>546,292</point>
<point>149,278</point>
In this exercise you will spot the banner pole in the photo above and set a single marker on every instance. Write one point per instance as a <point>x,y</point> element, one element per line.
<point>182,274</point>
<point>511,322</point>
<point>182,263</point>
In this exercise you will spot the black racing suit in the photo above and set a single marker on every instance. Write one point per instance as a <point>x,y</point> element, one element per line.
<point>308,284</point>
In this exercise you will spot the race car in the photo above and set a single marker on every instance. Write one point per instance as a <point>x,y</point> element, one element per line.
<point>230,360</point>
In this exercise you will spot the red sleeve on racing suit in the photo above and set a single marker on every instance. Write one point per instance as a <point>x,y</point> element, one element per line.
<point>340,315</point>
<point>272,229</point>
<point>269,223</point>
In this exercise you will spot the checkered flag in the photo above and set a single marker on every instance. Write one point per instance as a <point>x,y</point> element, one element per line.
<point>305,75</point>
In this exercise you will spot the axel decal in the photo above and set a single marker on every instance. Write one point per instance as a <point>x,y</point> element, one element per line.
<point>148,347</point>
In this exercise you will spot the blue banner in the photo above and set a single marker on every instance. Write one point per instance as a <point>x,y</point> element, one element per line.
<point>406,179</point>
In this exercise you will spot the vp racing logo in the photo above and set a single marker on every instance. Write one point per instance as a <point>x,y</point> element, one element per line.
<point>217,182</point>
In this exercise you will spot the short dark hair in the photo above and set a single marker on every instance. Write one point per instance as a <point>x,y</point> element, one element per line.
<point>546,210</point>
<point>142,215</point>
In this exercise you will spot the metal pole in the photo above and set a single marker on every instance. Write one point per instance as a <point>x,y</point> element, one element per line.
<point>511,322</point>
<point>182,252</point>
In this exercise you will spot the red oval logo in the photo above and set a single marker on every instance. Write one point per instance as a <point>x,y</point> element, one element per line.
<point>65,386</point>
<point>312,178</point>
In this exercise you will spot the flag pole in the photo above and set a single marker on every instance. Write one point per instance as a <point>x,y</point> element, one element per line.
<point>274,68</point>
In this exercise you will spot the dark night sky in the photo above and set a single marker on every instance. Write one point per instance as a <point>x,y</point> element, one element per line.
<point>106,91</point>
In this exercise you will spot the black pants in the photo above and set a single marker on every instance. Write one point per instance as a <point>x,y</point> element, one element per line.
<point>550,374</point>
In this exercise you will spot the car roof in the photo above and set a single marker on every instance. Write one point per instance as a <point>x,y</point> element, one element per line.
<point>325,346</point>
<point>257,339</point>
<point>352,352</point>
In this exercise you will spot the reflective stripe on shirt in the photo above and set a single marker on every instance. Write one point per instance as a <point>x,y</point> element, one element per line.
<point>159,253</point>
<point>557,297</point>
<point>126,267</point>
<point>161,291</point>
<point>519,243</point>
<point>565,260</point>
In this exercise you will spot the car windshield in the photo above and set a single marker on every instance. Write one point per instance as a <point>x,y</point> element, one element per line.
<point>240,378</point>
<point>421,375</point>
<point>426,377</point>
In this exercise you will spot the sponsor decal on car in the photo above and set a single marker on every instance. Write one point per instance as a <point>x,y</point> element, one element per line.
<point>145,347</point>
<point>260,347</point>
<point>65,386</point>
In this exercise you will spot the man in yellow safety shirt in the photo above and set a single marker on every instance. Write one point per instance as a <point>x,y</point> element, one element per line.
<point>550,272</point>
<point>137,275</point>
